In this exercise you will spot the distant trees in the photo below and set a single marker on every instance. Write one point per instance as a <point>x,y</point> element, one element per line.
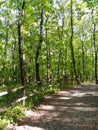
<point>48,39</point>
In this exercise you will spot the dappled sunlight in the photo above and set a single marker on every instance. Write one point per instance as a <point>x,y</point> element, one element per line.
<point>75,109</point>
<point>26,127</point>
<point>90,109</point>
<point>65,98</point>
<point>30,113</point>
<point>64,93</point>
<point>79,104</point>
<point>47,107</point>
<point>91,93</point>
<point>78,94</point>
<point>81,94</point>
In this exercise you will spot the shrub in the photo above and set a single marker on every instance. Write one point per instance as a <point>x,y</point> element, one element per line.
<point>3,123</point>
<point>14,113</point>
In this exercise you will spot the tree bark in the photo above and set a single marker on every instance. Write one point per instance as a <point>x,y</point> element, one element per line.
<point>83,62</point>
<point>71,44</point>
<point>48,56</point>
<point>14,79</point>
<point>83,56</point>
<point>39,47</point>
<point>95,47</point>
<point>20,45</point>
<point>20,53</point>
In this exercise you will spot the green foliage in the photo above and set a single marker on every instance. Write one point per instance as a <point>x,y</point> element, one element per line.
<point>88,82</point>
<point>14,113</point>
<point>8,87</point>
<point>11,116</point>
<point>3,123</point>
<point>91,3</point>
<point>57,24</point>
<point>51,91</point>
<point>39,97</point>
<point>55,57</point>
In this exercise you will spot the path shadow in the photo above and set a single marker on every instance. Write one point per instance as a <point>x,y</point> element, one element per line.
<point>76,109</point>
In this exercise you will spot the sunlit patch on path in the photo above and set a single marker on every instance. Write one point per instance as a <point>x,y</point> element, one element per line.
<point>74,109</point>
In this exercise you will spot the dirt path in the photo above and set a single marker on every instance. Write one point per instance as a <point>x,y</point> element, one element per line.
<point>75,109</point>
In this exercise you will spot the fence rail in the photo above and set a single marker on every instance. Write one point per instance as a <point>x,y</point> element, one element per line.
<point>24,92</point>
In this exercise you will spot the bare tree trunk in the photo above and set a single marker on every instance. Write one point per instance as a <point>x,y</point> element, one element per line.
<point>20,53</point>
<point>71,44</point>
<point>59,56</point>
<point>20,45</point>
<point>59,61</point>
<point>83,62</point>
<point>62,32</point>
<point>13,62</point>
<point>5,74</point>
<point>83,56</point>
<point>48,57</point>
<point>39,47</point>
<point>65,59</point>
<point>95,47</point>
<point>20,49</point>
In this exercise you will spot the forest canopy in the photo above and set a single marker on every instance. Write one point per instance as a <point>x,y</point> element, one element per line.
<point>48,39</point>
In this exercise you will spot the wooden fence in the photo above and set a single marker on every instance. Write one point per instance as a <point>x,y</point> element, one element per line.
<point>23,90</point>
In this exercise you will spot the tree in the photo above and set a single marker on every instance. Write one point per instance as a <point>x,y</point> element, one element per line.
<point>48,39</point>
<point>20,43</point>
<point>39,45</point>
<point>95,46</point>
<point>71,42</point>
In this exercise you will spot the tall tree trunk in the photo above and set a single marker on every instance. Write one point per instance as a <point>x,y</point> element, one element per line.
<point>13,62</point>
<point>95,47</point>
<point>71,43</point>
<point>78,69</point>
<point>59,62</point>
<point>48,56</point>
<point>59,55</point>
<point>5,75</point>
<point>20,53</point>
<point>20,45</point>
<point>83,62</point>
<point>29,70</point>
<point>20,49</point>
<point>65,59</point>
<point>83,55</point>
<point>62,32</point>
<point>39,47</point>
<point>61,58</point>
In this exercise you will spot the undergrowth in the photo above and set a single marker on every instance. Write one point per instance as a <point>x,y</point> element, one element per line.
<point>11,116</point>
<point>14,113</point>
<point>88,82</point>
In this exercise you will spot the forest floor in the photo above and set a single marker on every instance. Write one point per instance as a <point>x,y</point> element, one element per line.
<point>72,109</point>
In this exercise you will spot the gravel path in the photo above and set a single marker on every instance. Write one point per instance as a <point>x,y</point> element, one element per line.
<point>73,109</point>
